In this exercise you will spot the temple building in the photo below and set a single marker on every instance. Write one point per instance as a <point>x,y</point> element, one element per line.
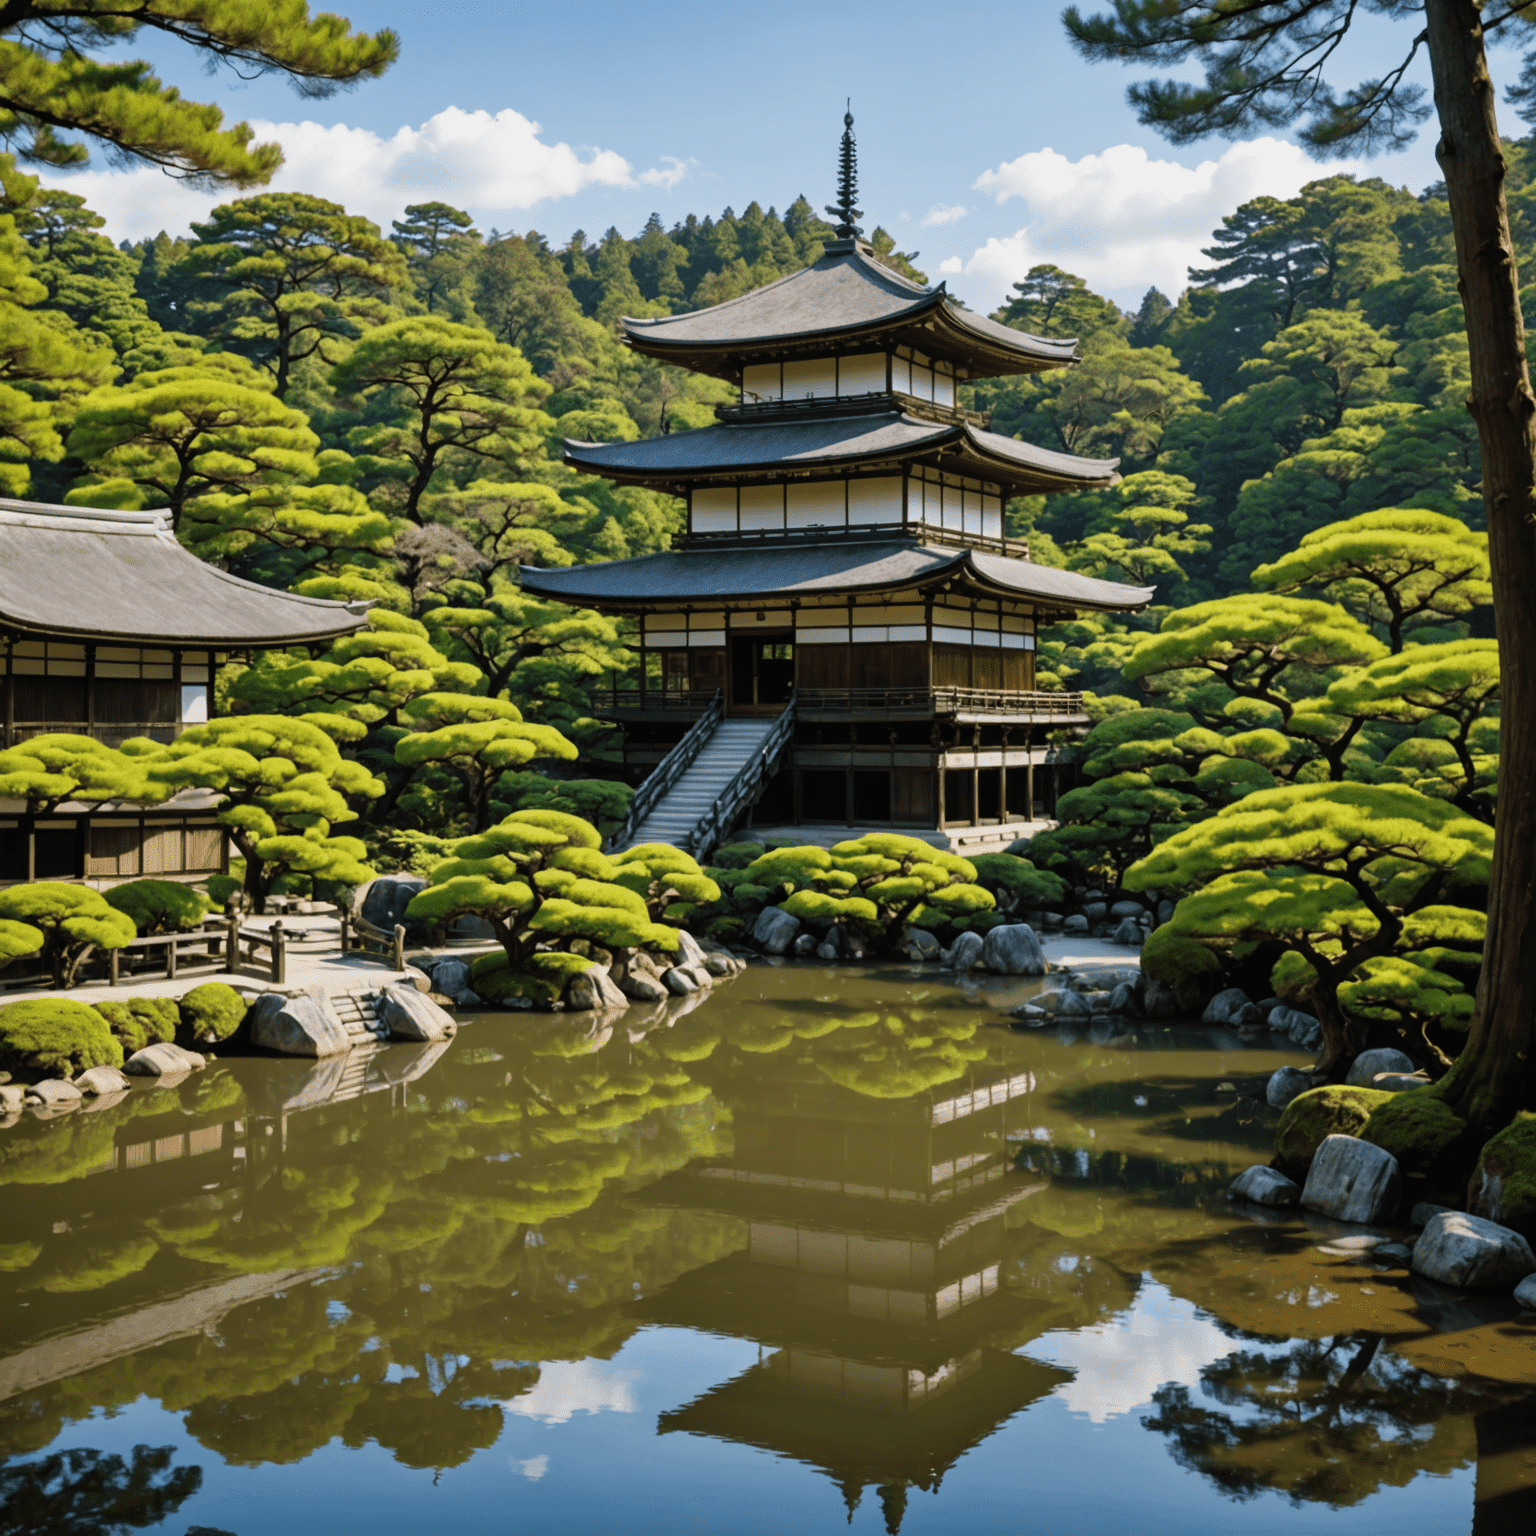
<point>110,629</point>
<point>845,625</point>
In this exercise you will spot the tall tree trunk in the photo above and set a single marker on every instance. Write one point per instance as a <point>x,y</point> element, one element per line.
<point>1494,1075</point>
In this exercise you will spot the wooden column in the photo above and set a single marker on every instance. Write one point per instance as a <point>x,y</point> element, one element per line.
<point>940,796</point>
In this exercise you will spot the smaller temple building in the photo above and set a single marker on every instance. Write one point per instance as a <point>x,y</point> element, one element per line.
<point>846,567</point>
<point>110,629</point>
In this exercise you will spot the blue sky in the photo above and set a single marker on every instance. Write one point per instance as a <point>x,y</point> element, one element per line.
<point>985,143</point>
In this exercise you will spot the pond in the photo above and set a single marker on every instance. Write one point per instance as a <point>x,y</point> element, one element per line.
<point>828,1249</point>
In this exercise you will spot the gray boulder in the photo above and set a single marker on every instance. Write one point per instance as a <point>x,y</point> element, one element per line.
<point>1077,923</point>
<point>54,1093</point>
<point>381,903</point>
<point>1399,1082</point>
<point>1472,1253</point>
<point>965,953</point>
<point>1095,911</point>
<point>413,975</point>
<point>1232,1006</point>
<point>919,944</point>
<point>469,998</point>
<point>1165,911</point>
<point>690,952</point>
<point>1124,1000</point>
<point>1129,932</point>
<point>1285,1085</point>
<point>827,951</point>
<point>1031,1017</point>
<point>1064,1003</point>
<point>1367,1064</point>
<point>592,989</point>
<point>1352,1180</point>
<point>408,1015</point>
<point>775,930</point>
<point>1012,949</point>
<point>641,986</point>
<point>12,1097</point>
<point>679,982</point>
<point>297,1026</point>
<point>1123,909</point>
<point>98,1080</point>
<point>805,944</point>
<point>1525,1292</point>
<point>721,965</point>
<point>451,977</point>
<point>1303,1030</point>
<point>1425,1212</point>
<point>1264,1186</point>
<point>162,1060</point>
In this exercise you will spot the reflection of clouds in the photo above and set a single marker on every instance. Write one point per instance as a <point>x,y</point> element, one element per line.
<point>1122,1361</point>
<point>580,1386</point>
<point>533,1469</point>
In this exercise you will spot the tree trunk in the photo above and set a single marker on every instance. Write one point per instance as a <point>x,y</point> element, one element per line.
<point>1494,1076</point>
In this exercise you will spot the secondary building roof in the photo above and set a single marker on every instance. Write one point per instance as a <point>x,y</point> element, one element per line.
<point>845,297</point>
<point>122,577</point>
<point>849,438</point>
<point>713,574</point>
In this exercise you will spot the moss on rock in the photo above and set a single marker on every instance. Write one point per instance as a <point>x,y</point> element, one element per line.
<point>1333,1110</point>
<point>1503,1186</point>
<point>1418,1128</point>
<point>211,1012</point>
<point>540,980</point>
<point>55,1037</point>
<point>141,1021</point>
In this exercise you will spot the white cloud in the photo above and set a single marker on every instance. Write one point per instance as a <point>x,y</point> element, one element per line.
<point>533,1469</point>
<point>492,163</point>
<point>952,265</point>
<point>943,213</point>
<point>1121,1362</point>
<point>1124,221</point>
<point>580,1386</point>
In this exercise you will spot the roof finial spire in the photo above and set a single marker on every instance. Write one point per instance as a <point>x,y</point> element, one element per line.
<point>847,183</point>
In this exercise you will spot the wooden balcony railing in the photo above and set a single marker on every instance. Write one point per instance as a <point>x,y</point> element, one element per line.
<point>113,732</point>
<point>876,701</point>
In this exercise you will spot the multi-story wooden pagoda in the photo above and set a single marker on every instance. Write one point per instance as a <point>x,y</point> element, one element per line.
<point>845,573</point>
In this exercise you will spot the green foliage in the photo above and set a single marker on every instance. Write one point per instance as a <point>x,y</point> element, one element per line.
<point>55,1037</point>
<point>140,1021</point>
<point>1017,885</point>
<point>1311,1117</point>
<point>160,906</point>
<point>284,784</point>
<point>664,876</point>
<point>72,919</point>
<point>540,979</point>
<point>53,86</point>
<point>1507,1167</point>
<point>539,878</point>
<point>49,769</point>
<point>211,1012</point>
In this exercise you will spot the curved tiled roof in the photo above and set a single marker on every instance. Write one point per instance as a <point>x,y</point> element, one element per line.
<point>847,293</point>
<point>108,575</point>
<point>715,574</point>
<point>826,441</point>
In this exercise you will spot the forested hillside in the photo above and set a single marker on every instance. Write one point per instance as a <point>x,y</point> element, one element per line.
<point>348,411</point>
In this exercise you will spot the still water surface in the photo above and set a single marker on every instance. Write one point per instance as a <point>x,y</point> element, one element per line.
<point>829,1249</point>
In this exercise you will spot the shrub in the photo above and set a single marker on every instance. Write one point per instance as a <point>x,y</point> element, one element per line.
<point>1505,1179</point>
<point>541,978</point>
<point>160,906</point>
<point>55,1037</point>
<point>211,1012</point>
<point>141,1021</point>
<point>72,920</point>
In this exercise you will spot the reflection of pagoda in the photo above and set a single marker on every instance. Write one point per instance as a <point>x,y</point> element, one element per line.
<point>876,1228</point>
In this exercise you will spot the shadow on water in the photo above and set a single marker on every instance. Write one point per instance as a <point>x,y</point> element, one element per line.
<point>897,1201</point>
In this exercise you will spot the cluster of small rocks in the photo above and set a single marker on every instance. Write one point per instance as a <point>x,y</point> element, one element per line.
<point>1384,1068</point>
<point>1087,997</point>
<point>1124,921</point>
<point>1356,1182</point>
<point>57,1095</point>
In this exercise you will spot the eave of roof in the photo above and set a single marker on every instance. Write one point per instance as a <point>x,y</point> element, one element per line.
<point>102,575</point>
<point>845,296</point>
<point>678,459</point>
<point>715,574</point>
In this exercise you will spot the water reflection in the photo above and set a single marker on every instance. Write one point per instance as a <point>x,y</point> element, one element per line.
<point>928,1226</point>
